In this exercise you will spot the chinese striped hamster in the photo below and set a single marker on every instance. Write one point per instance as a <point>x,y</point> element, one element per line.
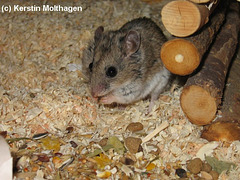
<point>124,66</point>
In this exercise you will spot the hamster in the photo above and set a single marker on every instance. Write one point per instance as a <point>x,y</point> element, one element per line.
<point>124,66</point>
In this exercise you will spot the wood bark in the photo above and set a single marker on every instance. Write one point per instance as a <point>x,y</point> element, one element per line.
<point>202,93</point>
<point>183,55</point>
<point>183,18</point>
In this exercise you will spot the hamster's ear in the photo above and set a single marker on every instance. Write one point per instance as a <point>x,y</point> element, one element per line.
<point>98,33</point>
<point>132,42</point>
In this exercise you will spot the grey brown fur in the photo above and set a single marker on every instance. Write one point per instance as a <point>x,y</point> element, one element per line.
<point>134,52</point>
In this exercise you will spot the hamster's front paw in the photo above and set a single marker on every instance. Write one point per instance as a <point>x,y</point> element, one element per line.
<point>107,99</point>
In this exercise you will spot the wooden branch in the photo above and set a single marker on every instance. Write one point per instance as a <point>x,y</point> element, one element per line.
<point>202,93</point>
<point>183,18</point>
<point>183,56</point>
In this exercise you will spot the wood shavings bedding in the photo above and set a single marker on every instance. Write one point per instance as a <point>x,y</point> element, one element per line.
<point>41,92</point>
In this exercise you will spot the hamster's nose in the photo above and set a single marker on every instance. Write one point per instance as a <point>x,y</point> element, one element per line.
<point>97,91</point>
<point>93,93</point>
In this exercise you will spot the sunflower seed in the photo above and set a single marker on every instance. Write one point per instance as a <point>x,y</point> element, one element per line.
<point>40,136</point>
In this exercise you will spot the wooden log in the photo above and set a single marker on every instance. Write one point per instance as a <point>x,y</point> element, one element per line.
<point>202,93</point>
<point>182,56</point>
<point>227,127</point>
<point>183,18</point>
<point>202,1</point>
<point>222,131</point>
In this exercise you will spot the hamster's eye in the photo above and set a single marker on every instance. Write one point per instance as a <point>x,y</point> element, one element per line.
<point>90,67</point>
<point>111,72</point>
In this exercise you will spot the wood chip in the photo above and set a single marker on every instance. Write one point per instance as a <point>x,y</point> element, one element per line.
<point>155,132</point>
